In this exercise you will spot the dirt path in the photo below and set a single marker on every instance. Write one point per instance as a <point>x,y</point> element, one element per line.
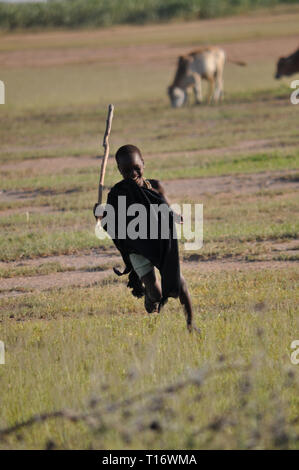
<point>18,285</point>
<point>88,269</point>
<point>239,183</point>
<point>214,266</point>
<point>29,210</point>
<point>23,285</point>
<point>44,166</point>
<point>92,259</point>
<point>88,48</point>
<point>91,269</point>
<point>189,187</point>
<point>248,146</point>
<point>137,55</point>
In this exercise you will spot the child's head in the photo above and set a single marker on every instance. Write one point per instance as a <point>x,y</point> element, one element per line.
<point>130,162</point>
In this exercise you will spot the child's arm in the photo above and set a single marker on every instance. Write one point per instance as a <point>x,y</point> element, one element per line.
<point>157,186</point>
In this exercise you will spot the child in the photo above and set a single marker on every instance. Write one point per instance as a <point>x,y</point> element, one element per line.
<point>142,255</point>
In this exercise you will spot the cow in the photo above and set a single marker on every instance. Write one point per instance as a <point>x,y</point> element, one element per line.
<point>206,63</point>
<point>288,65</point>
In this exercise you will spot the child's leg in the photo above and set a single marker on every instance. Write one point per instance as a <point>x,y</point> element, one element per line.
<point>153,292</point>
<point>185,300</point>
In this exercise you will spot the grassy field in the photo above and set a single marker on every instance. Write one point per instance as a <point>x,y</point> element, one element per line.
<point>75,338</point>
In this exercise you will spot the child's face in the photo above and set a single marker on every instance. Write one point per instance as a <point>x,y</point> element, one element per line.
<point>131,167</point>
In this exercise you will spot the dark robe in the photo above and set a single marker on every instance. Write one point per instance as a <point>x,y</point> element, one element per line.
<point>163,253</point>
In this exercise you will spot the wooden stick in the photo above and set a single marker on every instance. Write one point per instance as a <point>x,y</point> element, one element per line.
<point>106,153</point>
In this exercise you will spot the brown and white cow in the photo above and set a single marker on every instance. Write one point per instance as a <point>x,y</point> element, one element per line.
<point>206,63</point>
<point>288,65</point>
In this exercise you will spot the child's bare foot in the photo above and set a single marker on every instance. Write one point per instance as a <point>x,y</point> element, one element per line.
<point>153,293</point>
<point>149,305</point>
<point>191,327</point>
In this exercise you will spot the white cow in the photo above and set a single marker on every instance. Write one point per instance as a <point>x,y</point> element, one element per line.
<point>206,63</point>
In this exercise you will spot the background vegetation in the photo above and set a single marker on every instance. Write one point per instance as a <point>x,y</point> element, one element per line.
<point>94,13</point>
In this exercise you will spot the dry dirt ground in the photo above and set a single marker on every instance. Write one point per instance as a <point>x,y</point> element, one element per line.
<point>82,278</point>
<point>42,166</point>
<point>247,51</point>
<point>102,46</point>
<point>91,268</point>
<point>247,183</point>
<point>189,187</point>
